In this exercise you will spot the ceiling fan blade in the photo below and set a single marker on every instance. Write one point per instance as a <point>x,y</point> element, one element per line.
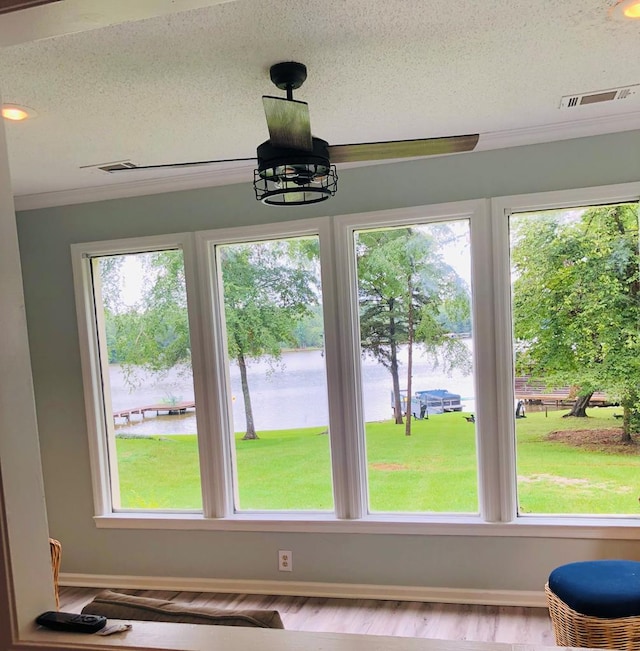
<point>130,167</point>
<point>7,6</point>
<point>288,122</point>
<point>402,148</point>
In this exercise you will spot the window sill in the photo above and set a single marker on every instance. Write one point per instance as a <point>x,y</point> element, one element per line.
<point>530,526</point>
<point>194,637</point>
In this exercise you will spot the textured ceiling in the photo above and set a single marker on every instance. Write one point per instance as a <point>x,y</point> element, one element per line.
<point>187,85</point>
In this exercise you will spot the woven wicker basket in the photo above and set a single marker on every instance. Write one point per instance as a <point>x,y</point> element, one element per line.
<point>56,556</point>
<point>574,629</point>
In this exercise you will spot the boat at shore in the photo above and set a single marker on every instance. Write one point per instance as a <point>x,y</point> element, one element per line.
<point>429,402</point>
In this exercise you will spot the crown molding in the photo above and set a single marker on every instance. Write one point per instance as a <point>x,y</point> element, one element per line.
<point>208,177</point>
<point>174,183</point>
<point>584,128</point>
<point>40,19</point>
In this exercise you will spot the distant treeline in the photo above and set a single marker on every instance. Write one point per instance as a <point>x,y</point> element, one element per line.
<point>308,333</point>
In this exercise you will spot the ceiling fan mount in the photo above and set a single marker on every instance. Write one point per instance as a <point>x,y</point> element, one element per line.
<point>288,75</point>
<point>297,168</point>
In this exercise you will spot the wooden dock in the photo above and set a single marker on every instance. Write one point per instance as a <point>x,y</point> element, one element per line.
<point>535,392</point>
<point>161,408</point>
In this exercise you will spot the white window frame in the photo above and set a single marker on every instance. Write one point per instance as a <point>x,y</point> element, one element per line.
<point>102,462</point>
<point>501,210</point>
<point>215,368</point>
<point>476,212</point>
<point>493,370</point>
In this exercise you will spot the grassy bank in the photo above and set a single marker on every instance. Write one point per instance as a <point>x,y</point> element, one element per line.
<point>433,470</point>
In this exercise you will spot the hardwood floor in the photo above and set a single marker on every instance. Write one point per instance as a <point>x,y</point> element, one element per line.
<point>373,617</point>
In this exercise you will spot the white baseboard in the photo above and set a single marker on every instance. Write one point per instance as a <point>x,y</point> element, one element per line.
<point>310,589</point>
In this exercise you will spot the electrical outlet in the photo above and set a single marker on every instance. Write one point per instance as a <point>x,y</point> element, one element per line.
<point>285,561</point>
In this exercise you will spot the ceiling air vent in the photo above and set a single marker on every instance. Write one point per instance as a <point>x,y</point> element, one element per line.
<point>627,92</point>
<point>113,166</point>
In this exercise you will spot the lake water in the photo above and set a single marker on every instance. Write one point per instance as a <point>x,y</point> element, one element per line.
<point>293,394</point>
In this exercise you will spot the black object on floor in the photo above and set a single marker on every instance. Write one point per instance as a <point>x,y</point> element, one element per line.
<point>71,622</point>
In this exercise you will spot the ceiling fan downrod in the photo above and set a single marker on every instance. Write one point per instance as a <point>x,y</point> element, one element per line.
<point>288,76</point>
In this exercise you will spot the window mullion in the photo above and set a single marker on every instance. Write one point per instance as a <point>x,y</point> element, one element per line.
<point>215,440</point>
<point>493,390</point>
<point>343,367</point>
<point>485,367</point>
<point>504,363</point>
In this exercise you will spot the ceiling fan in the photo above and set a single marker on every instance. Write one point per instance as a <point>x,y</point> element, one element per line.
<point>7,6</point>
<point>297,168</point>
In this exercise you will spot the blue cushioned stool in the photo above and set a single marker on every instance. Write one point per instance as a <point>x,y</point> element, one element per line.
<point>596,604</point>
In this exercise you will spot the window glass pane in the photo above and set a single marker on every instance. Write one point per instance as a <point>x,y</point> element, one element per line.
<point>141,311</point>
<point>576,298</point>
<point>274,331</point>
<point>416,340</point>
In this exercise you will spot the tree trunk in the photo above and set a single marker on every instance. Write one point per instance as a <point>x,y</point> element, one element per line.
<point>251,430</point>
<point>626,425</point>
<point>407,429</point>
<point>397,409</point>
<point>579,409</point>
<point>628,403</point>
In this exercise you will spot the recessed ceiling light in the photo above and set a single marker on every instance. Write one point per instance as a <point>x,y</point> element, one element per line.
<point>626,9</point>
<point>17,113</point>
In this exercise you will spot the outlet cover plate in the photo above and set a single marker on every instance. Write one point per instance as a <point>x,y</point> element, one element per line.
<point>285,560</point>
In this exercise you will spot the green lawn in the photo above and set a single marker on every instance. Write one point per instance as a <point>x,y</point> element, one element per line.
<point>159,473</point>
<point>434,470</point>
<point>554,477</point>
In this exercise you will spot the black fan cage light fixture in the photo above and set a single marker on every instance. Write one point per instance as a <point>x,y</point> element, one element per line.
<point>289,177</point>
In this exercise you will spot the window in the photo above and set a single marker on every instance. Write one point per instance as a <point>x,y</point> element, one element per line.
<point>576,319</point>
<point>271,296</point>
<point>416,344</point>
<point>376,371</point>
<point>147,382</point>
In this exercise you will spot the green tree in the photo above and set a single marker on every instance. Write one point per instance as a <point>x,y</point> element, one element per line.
<point>153,334</point>
<point>576,303</point>
<point>269,288</point>
<point>406,291</point>
<point>109,272</point>
<point>309,332</point>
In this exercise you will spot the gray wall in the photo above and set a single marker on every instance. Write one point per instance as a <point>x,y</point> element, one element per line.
<point>478,562</point>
